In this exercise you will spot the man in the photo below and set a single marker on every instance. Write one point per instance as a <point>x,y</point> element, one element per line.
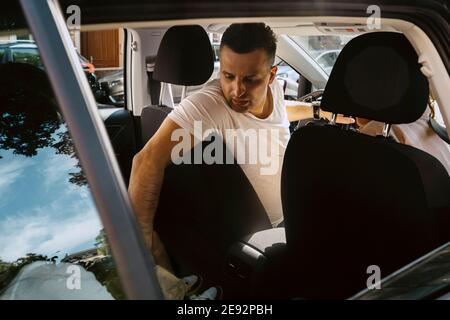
<point>241,99</point>
<point>245,98</point>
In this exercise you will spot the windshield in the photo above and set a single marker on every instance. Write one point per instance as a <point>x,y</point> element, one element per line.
<point>324,48</point>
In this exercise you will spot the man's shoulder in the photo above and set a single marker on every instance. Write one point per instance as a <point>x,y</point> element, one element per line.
<point>210,90</point>
<point>210,97</point>
<point>208,104</point>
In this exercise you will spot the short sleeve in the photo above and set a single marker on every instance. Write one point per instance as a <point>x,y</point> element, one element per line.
<point>206,106</point>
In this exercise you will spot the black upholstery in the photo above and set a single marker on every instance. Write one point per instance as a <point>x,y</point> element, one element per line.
<point>120,128</point>
<point>151,119</point>
<point>369,201</point>
<point>204,209</point>
<point>377,76</point>
<point>153,86</point>
<point>185,56</point>
<point>362,200</point>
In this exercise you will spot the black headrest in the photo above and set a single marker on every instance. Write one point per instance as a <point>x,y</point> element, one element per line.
<point>377,76</point>
<point>185,56</point>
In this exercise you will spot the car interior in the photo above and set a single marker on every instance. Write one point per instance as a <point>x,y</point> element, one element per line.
<point>346,210</point>
<point>344,206</point>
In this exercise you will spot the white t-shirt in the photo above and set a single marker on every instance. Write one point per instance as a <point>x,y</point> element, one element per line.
<point>257,144</point>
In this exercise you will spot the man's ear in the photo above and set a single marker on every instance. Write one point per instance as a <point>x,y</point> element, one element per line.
<point>273,73</point>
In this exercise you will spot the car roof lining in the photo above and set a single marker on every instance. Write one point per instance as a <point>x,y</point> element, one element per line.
<point>279,24</point>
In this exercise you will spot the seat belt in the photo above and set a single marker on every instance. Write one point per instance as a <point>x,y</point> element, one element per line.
<point>438,129</point>
<point>435,126</point>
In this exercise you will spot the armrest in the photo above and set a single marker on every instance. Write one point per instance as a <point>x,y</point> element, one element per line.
<point>268,242</point>
<point>251,255</point>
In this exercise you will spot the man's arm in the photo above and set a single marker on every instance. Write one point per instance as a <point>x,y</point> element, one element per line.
<point>297,110</point>
<point>147,176</point>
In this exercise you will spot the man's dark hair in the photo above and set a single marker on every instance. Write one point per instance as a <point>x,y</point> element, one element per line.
<point>247,37</point>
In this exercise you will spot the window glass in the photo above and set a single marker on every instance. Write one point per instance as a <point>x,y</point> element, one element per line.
<point>101,56</point>
<point>324,49</point>
<point>27,55</point>
<point>52,243</point>
<point>288,78</point>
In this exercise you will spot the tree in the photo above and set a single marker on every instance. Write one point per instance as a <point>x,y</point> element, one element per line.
<point>102,243</point>
<point>3,265</point>
<point>9,270</point>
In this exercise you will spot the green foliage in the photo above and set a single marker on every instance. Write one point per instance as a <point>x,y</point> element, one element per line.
<point>8,271</point>
<point>102,243</point>
<point>105,272</point>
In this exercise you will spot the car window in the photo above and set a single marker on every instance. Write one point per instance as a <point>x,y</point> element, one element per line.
<point>216,48</point>
<point>52,242</point>
<point>27,55</point>
<point>324,48</point>
<point>327,59</point>
<point>288,77</point>
<point>101,56</point>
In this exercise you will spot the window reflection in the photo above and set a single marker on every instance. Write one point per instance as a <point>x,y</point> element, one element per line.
<point>48,221</point>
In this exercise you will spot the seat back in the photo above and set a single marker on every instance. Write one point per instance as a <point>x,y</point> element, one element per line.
<point>203,209</point>
<point>151,119</point>
<point>350,200</point>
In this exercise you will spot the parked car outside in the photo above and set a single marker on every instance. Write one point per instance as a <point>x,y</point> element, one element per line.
<point>288,75</point>
<point>112,88</point>
<point>327,59</point>
<point>26,51</point>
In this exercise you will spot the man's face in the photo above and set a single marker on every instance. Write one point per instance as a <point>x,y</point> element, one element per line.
<point>245,78</point>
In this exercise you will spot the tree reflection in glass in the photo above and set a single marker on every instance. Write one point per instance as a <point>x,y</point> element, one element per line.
<point>29,117</point>
<point>47,216</point>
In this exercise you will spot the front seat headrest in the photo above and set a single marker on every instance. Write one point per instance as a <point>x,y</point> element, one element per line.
<point>377,76</point>
<point>185,56</point>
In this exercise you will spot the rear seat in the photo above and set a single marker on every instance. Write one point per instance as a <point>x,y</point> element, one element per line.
<point>120,126</point>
